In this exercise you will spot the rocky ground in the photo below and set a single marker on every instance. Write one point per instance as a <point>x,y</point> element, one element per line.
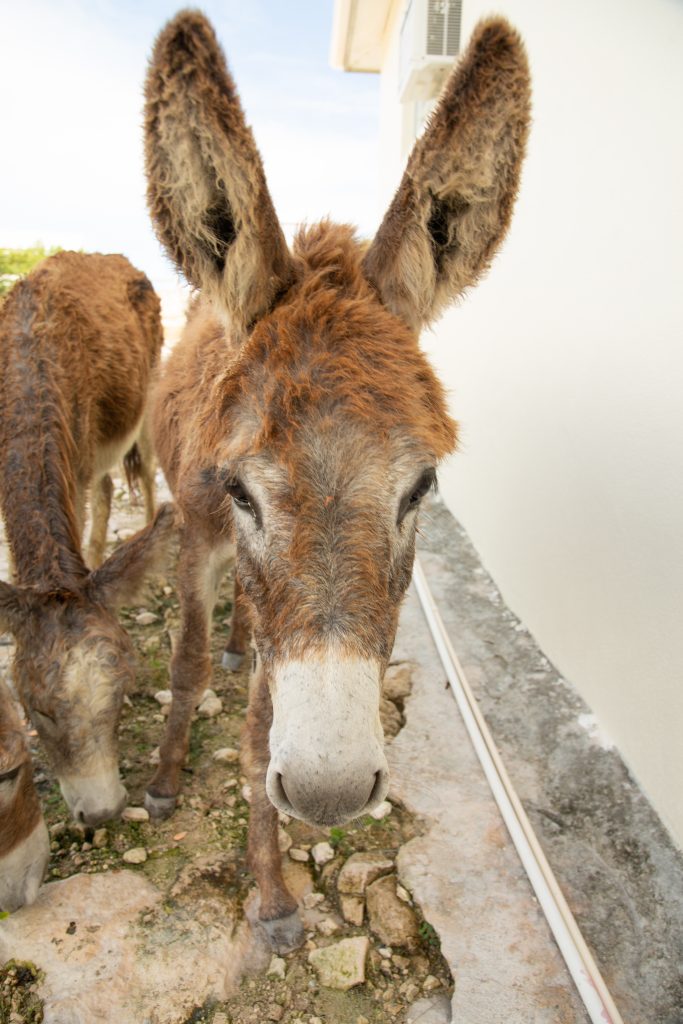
<point>148,922</point>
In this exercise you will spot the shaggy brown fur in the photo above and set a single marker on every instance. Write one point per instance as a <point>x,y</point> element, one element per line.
<point>79,338</point>
<point>24,842</point>
<point>298,414</point>
<point>19,807</point>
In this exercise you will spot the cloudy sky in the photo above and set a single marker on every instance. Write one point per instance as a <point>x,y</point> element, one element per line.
<point>71,74</point>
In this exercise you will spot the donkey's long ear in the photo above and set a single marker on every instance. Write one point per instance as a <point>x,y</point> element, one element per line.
<point>455,201</point>
<point>206,191</point>
<point>121,578</point>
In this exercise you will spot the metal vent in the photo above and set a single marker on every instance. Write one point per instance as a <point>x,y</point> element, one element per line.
<point>443,27</point>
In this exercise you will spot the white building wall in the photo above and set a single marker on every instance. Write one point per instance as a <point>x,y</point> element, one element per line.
<point>565,369</point>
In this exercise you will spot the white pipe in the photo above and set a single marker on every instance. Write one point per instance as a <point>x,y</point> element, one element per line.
<point>579,959</point>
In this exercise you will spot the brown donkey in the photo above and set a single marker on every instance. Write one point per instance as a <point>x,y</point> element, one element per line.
<point>79,338</point>
<point>24,843</point>
<point>298,418</point>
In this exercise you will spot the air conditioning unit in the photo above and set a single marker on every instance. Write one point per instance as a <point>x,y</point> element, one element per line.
<point>429,42</point>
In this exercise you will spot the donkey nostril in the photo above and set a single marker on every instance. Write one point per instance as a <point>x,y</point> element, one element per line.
<point>280,790</point>
<point>377,787</point>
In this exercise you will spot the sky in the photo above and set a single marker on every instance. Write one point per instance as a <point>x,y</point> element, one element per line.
<point>71,79</point>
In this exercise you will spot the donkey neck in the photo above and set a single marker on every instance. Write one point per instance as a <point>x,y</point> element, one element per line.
<point>39,453</point>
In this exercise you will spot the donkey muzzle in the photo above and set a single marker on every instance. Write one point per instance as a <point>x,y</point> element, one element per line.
<point>327,760</point>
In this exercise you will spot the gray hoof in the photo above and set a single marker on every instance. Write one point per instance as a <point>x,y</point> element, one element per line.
<point>233,662</point>
<point>284,934</point>
<point>159,806</point>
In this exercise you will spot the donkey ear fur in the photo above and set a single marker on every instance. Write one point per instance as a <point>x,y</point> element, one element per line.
<point>120,579</point>
<point>207,191</point>
<point>454,203</point>
<point>15,607</point>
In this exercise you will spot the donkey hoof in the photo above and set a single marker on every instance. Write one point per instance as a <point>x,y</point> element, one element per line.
<point>159,806</point>
<point>284,934</point>
<point>232,661</point>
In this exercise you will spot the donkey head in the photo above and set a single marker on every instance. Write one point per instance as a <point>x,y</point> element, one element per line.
<point>73,664</point>
<point>321,426</point>
<point>24,843</point>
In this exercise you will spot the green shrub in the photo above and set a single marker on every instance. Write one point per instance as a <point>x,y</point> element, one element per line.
<point>14,263</point>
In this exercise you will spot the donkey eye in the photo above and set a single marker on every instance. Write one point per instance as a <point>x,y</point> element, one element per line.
<point>10,775</point>
<point>413,498</point>
<point>242,498</point>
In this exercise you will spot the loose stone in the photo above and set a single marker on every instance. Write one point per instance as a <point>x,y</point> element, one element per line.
<point>210,707</point>
<point>146,618</point>
<point>328,926</point>
<point>226,755</point>
<point>430,983</point>
<point>100,839</point>
<point>283,838</point>
<point>138,855</point>
<point>296,854</point>
<point>313,899</point>
<point>135,814</point>
<point>322,853</point>
<point>276,968</point>
<point>390,919</point>
<point>361,869</point>
<point>341,965</point>
<point>163,697</point>
<point>382,811</point>
<point>353,909</point>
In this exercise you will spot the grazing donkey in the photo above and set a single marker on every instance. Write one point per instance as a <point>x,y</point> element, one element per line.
<point>298,418</point>
<point>79,338</point>
<point>24,843</point>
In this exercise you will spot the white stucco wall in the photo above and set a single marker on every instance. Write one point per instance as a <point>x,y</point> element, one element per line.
<point>565,369</point>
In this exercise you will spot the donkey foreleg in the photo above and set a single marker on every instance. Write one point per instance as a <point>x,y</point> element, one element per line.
<point>277,915</point>
<point>198,576</point>
<point>240,632</point>
<point>102,493</point>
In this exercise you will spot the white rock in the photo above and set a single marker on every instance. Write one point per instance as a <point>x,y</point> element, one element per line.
<point>296,854</point>
<point>341,965</point>
<point>430,983</point>
<point>226,755</point>
<point>210,707</point>
<point>146,618</point>
<point>328,926</point>
<point>163,697</point>
<point>403,894</point>
<point>246,792</point>
<point>313,899</point>
<point>155,756</point>
<point>382,811</point>
<point>276,968</point>
<point>207,694</point>
<point>138,855</point>
<point>322,853</point>
<point>284,840</point>
<point>135,814</point>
